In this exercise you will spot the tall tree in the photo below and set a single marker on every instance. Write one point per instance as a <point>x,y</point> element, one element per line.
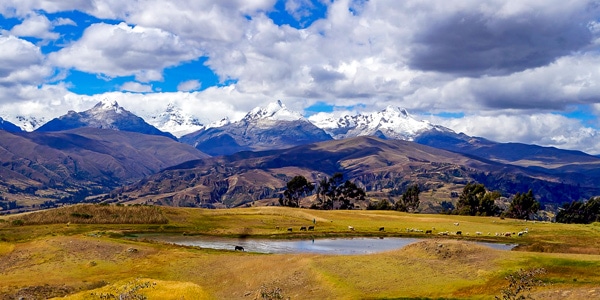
<point>523,206</point>
<point>297,188</point>
<point>580,212</point>
<point>335,193</point>
<point>410,199</point>
<point>475,200</point>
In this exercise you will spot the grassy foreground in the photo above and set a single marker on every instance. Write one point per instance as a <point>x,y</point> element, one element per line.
<point>77,253</point>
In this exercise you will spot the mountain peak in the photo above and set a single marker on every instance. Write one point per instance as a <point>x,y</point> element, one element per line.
<point>273,111</point>
<point>392,122</point>
<point>108,105</point>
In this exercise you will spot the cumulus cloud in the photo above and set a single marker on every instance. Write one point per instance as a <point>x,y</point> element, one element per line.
<point>37,26</point>
<point>21,62</point>
<point>499,37</point>
<point>136,87</point>
<point>542,129</point>
<point>188,86</point>
<point>123,50</point>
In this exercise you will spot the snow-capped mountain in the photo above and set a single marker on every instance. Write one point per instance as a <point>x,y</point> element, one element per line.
<point>30,123</point>
<point>390,123</point>
<point>8,126</point>
<point>263,128</point>
<point>105,115</point>
<point>174,121</point>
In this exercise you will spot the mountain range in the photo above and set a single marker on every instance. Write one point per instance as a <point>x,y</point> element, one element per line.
<point>108,147</point>
<point>271,127</point>
<point>379,166</point>
<point>106,115</point>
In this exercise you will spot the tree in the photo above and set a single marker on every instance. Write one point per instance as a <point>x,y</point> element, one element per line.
<point>410,199</point>
<point>476,201</point>
<point>579,212</point>
<point>335,193</point>
<point>523,206</point>
<point>297,188</point>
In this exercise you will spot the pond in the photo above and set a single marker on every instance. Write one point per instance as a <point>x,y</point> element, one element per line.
<point>343,246</point>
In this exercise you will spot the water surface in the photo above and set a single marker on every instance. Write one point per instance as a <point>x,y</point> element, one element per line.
<point>344,246</point>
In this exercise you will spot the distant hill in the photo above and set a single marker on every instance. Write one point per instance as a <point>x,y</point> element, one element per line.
<point>8,126</point>
<point>377,165</point>
<point>55,165</point>
<point>104,115</point>
<point>271,127</point>
<point>566,163</point>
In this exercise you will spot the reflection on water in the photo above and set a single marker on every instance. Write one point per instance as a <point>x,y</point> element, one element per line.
<point>345,246</point>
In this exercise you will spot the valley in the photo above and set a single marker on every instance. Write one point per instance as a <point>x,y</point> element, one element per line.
<point>87,257</point>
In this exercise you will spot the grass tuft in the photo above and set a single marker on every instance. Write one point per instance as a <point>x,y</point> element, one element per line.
<point>94,214</point>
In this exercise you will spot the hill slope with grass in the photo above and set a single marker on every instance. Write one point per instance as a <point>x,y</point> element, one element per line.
<point>379,166</point>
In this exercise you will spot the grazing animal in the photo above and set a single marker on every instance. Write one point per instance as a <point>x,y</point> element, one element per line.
<point>351,228</point>
<point>240,248</point>
<point>428,231</point>
<point>290,229</point>
<point>478,233</point>
<point>312,228</point>
<point>303,228</point>
<point>381,229</point>
<point>459,233</point>
<point>507,234</point>
<point>456,224</point>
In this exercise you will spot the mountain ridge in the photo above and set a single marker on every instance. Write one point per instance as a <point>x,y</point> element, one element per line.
<point>104,115</point>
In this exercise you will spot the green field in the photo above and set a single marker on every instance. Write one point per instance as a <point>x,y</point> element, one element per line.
<point>83,252</point>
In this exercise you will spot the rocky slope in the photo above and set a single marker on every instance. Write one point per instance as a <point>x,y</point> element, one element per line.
<point>266,128</point>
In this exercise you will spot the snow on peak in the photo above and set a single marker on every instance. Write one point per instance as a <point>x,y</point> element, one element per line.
<point>273,111</point>
<point>392,122</point>
<point>174,121</point>
<point>108,105</point>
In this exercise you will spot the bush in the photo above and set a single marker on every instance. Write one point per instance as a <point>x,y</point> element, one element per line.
<point>18,222</point>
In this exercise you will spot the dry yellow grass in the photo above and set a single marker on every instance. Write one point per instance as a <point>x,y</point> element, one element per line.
<point>83,260</point>
<point>144,287</point>
<point>95,214</point>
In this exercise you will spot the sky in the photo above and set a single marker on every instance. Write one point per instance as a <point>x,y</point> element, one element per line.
<point>509,70</point>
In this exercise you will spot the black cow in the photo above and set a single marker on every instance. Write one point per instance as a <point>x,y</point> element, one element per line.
<point>303,228</point>
<point>240,248</point>
<point>311,228</point>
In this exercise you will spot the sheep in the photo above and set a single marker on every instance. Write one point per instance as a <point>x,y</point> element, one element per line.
<point>478,233</point>
<point>351,228</point>
<point>456,224</point>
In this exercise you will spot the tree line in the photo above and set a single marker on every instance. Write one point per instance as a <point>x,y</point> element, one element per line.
<point>475,199</point>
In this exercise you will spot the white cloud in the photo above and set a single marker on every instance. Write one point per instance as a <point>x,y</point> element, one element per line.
<point>63,22</point>
<point>542,129</point>
<point>122,50</point>
<point>188,86</point>
<point>21,62</point>
<point>37,26</point>
<point>136,87</point>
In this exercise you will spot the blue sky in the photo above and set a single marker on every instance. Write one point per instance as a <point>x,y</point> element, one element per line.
<point>509,70</point>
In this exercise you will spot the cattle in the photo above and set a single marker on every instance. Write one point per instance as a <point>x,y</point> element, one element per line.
<point>239,248</point>
<point>303,228</point>
<point>381,228</point>
<point>428,231</point>
<point>507,234</point>
<point>290,229</point>
<point>311,228</point>
<point>351,228</point>
<point>459,233</point>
